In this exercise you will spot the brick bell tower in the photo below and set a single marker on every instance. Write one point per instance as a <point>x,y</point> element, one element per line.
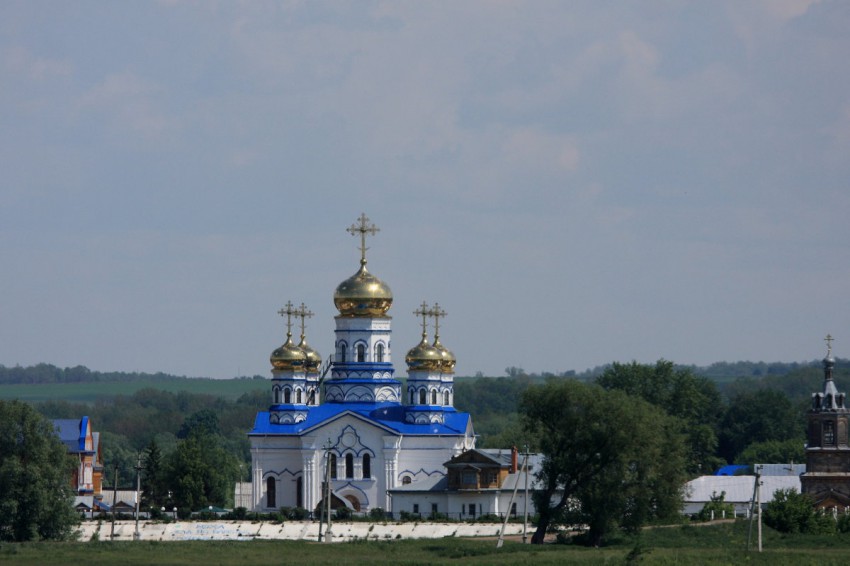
<point>827,477</point>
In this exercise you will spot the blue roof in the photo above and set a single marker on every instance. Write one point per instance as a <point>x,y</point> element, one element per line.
<point>730,470</point>
<point>387,415</point>
<point>72,433</point>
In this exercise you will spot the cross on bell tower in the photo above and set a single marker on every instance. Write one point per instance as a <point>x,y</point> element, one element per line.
<point>288,311</point>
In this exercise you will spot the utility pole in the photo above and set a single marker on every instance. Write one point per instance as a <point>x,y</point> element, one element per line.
<point>756,500</point>
<point>138,467</point>
<point>525,501</point>
<point>114,501</point>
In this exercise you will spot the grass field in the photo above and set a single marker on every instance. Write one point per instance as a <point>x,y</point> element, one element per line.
<point>91,391</point>
<point>721,544</point>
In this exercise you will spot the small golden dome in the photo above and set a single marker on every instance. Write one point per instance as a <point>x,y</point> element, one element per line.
<point>289,356</point>
<point>447,357</point>
<point>363,295</point>
<point>313,359</point>
<point>423,357</point>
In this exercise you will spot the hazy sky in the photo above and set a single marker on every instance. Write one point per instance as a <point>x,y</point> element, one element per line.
<point>575,182</point>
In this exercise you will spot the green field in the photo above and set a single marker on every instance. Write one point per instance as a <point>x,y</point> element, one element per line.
<point>90,391</point>
<point>721,544</point>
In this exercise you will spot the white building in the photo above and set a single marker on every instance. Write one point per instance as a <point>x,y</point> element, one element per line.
<point>351,412</point>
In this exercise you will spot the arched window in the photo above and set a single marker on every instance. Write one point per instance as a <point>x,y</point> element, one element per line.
<point>379,353</point>
<point>422,397</point>
<point>828,433</point>
<point>446,398</point>
<point>271,495</point>
<point>433,396</point>
<point>276,396</point>
<point>333,466</point>
<point>349,465</point>
<point>342,350</point>
<point>406,480</point>
<point>297,395</point>
<point>367,466</point>
<point>287,396</point>
<point>361,353</point>
<point>311,397</point>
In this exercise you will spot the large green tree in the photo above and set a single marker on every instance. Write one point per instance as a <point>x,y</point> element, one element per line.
<point>35,469</point>
<point>610,459</point>
<point>759,416</point>
<point>680,393</point>
<point>201,473</point>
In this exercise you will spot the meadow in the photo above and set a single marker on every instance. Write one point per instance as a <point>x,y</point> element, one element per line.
<point>87,392</point>
<point>710,545</point>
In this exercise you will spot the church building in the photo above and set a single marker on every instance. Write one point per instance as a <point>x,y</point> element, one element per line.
<point>827,477</point>
<point>349,421</point>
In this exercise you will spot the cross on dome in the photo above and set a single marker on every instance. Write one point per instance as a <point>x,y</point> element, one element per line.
<point>288,311</point>
<point>304,313</point>
<point>363,228</point>
<point>828,341</point>
<point>424,313</point>
<point>437,312</point>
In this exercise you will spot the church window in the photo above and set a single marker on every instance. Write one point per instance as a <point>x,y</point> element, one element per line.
<point>412,396</point>
<point>349,465</point>
<point>434,397</point>
<point>828,433</point>
<point>367,466</point>
<point>422,397</point>
<point>379,353</point>
<point>276,396</point>
<point>342,352</point>
<point>271,495</point>
<point>299,492</point>
<point>469,478</point>
<point>445,398</point>
<point>297,395</point>
<point>513,508</point>
<point>406,480</point>
<point>333,466</point>
<point>471,509</point>
<point>416,508</point>
<point>287,396</point>
<point>361,353</point>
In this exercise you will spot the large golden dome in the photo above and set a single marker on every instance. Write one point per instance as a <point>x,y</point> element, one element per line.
<point>423,357</point>
<point>288,357</point>
<point>363,295</point>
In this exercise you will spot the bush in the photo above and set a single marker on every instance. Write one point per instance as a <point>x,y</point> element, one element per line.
<point>342,514</point>
<point>718,505</point>
<point>792,512</point>
<point>377,514</point>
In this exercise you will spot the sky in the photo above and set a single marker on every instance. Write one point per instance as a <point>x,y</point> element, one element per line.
<point>575,183</point>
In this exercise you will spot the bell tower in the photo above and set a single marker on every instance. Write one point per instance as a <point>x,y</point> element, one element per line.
<point>827,477</point>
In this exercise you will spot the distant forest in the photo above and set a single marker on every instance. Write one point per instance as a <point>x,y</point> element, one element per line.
<point>758,409</point>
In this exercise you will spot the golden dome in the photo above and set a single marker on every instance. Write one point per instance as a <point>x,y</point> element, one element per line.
<point>447,357</point>
<point>363,295</point>
<point>423,356</point>
<point>289,356</point>
<point>313,359</point>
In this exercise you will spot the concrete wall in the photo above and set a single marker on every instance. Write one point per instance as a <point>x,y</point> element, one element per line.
<point>291,530</point>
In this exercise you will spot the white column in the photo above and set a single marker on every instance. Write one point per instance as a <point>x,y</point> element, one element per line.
<point>257,487</point>
<point>309,495</point>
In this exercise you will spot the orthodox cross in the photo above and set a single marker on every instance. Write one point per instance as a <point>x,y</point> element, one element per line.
<point>828,341</point>
<point>362,228</point>
<point>437,312</point>
<point>288,311</point>
<point>423,312</point>
<point>304,313</point>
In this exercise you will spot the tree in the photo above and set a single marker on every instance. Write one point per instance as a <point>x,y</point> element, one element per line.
<point>153,477</point>
<point>758,416</point>
<point>35,470</point>
<point>609,459</point>
<point>681,394</point>
<point>774,451</point>
<point>792,512</point>
<point>201,473</point>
